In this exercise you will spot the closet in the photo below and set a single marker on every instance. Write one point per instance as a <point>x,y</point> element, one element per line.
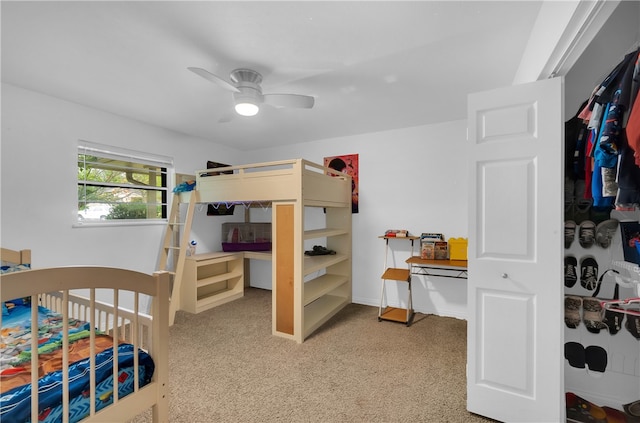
<point>602,344</point>
<point>516,331</point>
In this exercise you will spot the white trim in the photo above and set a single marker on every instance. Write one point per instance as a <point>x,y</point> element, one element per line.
<point>589,18</point>
<point>562,32</point>
<point>122,222</point>
<point>119,153</point>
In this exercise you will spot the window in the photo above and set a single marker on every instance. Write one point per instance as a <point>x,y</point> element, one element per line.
<point>116,184</point>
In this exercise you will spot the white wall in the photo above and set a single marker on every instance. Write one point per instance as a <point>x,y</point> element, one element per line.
<point>411,178</point>
<point>39,172</point>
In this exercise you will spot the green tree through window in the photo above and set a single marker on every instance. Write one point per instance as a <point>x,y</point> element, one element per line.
<point>120,184</point>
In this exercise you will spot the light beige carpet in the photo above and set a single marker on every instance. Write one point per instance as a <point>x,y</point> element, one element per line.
<point>225,366</point>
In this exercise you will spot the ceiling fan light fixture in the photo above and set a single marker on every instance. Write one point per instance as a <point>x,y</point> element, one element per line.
<point>247,109</point>
<point>247,100</point>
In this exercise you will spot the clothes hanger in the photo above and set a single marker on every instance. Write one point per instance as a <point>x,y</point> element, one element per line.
<point>619,305</point>
<point>627,281</point>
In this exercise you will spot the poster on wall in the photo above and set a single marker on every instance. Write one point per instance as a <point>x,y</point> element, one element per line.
<point>348,164</point>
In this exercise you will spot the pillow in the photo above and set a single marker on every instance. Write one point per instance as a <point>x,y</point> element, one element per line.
<point>10,269</point>
<point>15,268</point>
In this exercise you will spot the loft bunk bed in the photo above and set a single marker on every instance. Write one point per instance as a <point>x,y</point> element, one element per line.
<point>307,290</point>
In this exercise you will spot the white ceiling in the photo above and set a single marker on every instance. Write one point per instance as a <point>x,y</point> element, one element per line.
<point>371,65</point>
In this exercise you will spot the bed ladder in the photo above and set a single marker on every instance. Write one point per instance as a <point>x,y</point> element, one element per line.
<point>175,245</point>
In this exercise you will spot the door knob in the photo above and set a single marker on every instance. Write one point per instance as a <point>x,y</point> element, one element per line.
<point>505,276</point>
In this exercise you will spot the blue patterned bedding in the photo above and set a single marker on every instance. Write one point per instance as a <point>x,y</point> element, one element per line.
<point>15,356</point>
<point>9,269</point>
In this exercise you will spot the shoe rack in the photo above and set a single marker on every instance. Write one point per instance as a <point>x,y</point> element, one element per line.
<point>602,365</point>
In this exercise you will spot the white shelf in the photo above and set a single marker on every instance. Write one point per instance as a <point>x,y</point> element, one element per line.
<point>322,285</point>
<point>210,280</point>
<point>316,263</point>
<point>321,310</point>
<point>325,232</point>
<point>218,278</point>
<point>221,297</point>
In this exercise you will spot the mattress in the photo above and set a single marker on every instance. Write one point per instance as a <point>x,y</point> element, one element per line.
<point>15,366</point>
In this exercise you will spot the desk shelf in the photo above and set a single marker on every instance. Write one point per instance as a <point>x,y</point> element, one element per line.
<point>210,280</point>
<point>396,314</point>
<point>441,268</point>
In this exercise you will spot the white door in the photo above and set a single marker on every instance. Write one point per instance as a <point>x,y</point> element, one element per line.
<point>515,363</point>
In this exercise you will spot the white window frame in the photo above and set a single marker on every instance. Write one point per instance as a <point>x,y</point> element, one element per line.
<point>137,157</point>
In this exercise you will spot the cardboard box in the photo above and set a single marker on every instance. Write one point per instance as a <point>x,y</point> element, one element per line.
<point>441,250</point>
<point>427,250</point>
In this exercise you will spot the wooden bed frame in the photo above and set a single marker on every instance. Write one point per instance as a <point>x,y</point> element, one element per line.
<point>52,288</point>
<point>301,303</point>
<point>15,257</point>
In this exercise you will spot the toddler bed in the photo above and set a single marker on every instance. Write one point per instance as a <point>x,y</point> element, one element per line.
<point>82,347</point>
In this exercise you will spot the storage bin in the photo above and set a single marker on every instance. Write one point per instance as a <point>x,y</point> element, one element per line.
<point>242,236</point>
<point>458,248</point>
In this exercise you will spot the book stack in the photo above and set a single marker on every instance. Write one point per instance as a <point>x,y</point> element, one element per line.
<point>396,233</point>
<point>433,246</point>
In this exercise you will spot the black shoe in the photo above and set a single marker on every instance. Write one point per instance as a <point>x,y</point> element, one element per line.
<point>319,250</point>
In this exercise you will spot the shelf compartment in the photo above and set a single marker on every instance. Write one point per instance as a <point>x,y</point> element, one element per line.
<point>395,274</point>
<point>218,278</point>
<point>321,310</point>
<point>395,314</point>
<point>221,297</point>
<point>316,263</point>
<point>322,285</point>
<point>324,232</point>
<point>211,279</point>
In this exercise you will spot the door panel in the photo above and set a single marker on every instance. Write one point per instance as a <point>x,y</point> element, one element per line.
<point>515,329</point>
<point>510,239</point>
<point>495,366</point>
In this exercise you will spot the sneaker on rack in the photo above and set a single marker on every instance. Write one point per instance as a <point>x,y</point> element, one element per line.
<point>569,233</point>
<point>582,210</point>
<point>586,234</point>
<point>605,232</point>
<point>592,315</point>
<point>589,273</point>
<point>570,274</point>
<point>572,306</point>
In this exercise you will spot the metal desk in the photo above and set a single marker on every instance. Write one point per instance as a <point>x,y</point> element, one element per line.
<point>441,268</point>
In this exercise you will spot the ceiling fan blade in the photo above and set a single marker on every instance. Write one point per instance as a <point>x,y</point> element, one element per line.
<point>213,78</point>
<point>289,100</point>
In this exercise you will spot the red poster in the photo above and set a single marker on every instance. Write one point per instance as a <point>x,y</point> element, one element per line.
<point>348,164</point>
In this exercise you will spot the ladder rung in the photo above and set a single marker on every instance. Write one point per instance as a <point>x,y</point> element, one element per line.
<point>171,248</point>
<point>177,223</point>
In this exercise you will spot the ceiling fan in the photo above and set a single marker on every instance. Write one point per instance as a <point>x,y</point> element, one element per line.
<point>247,93</point>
